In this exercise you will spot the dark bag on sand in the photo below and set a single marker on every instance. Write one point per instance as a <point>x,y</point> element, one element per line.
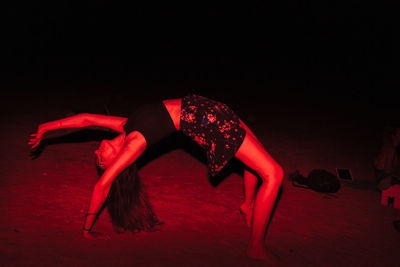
<point>318,180</point>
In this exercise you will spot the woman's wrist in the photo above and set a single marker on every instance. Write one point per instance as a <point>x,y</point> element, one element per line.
<point>48,126</point>
<point>86,233</point>
<point>90,222</point>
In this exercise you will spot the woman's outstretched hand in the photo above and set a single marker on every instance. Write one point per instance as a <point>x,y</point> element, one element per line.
<point>95,235</point>
<point>36,138</point>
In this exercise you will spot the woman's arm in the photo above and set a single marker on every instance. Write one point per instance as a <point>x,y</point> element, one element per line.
<point>134,146</point>
<point>78,121</point>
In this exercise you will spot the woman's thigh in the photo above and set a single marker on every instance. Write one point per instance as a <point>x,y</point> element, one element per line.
<point>254,155</point>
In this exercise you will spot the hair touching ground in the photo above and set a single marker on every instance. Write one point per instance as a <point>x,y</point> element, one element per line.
<point>127,203</point>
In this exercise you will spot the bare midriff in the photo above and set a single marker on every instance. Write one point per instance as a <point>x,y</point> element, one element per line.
<point>174,109</point>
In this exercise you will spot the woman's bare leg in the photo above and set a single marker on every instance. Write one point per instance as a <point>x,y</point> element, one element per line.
<point>253,154</point>
<point>250,187</point>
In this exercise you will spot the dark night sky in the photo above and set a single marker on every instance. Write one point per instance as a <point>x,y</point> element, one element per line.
<point>259,40</point>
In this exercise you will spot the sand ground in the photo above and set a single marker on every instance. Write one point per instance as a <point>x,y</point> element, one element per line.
<point>43,200</point>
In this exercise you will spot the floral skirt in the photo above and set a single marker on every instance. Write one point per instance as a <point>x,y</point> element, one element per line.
<point>214,126</point>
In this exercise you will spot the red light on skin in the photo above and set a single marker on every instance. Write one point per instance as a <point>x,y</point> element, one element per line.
<point>108,150</point>
<point>121,152</point>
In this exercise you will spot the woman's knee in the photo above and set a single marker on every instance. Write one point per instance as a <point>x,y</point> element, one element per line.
<point>253,154</point>
<point>273,175</point>
<point>279,173</point>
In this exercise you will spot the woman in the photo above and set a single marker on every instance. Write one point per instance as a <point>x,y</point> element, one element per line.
<point>209,123</point>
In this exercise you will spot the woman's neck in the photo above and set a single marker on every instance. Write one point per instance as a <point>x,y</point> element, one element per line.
<point>174,109</point>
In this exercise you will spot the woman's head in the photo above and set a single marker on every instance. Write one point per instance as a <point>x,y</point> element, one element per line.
<point>108,150</point>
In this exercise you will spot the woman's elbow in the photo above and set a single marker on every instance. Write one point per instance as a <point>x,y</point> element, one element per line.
<point>84,119</point>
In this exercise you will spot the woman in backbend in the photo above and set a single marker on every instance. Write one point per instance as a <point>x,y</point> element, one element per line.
<point>211,124</point>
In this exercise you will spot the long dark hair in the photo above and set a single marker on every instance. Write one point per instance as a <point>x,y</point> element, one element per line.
<point>127,203</point>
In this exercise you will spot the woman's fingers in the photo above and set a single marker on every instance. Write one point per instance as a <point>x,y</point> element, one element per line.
<point>34,142</point>
<point>35,139</point>
<point>33,145</point>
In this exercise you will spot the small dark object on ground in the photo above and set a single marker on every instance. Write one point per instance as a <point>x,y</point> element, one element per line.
<point>318,180</point>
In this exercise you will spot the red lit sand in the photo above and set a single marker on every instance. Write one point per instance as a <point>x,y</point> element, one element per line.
<point>43,201</point>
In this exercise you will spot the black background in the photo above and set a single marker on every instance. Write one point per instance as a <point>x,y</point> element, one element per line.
<point>342,48</point>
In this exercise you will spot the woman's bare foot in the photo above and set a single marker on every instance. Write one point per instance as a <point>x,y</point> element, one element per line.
<point>261,253</point>
<point>247,212</point>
